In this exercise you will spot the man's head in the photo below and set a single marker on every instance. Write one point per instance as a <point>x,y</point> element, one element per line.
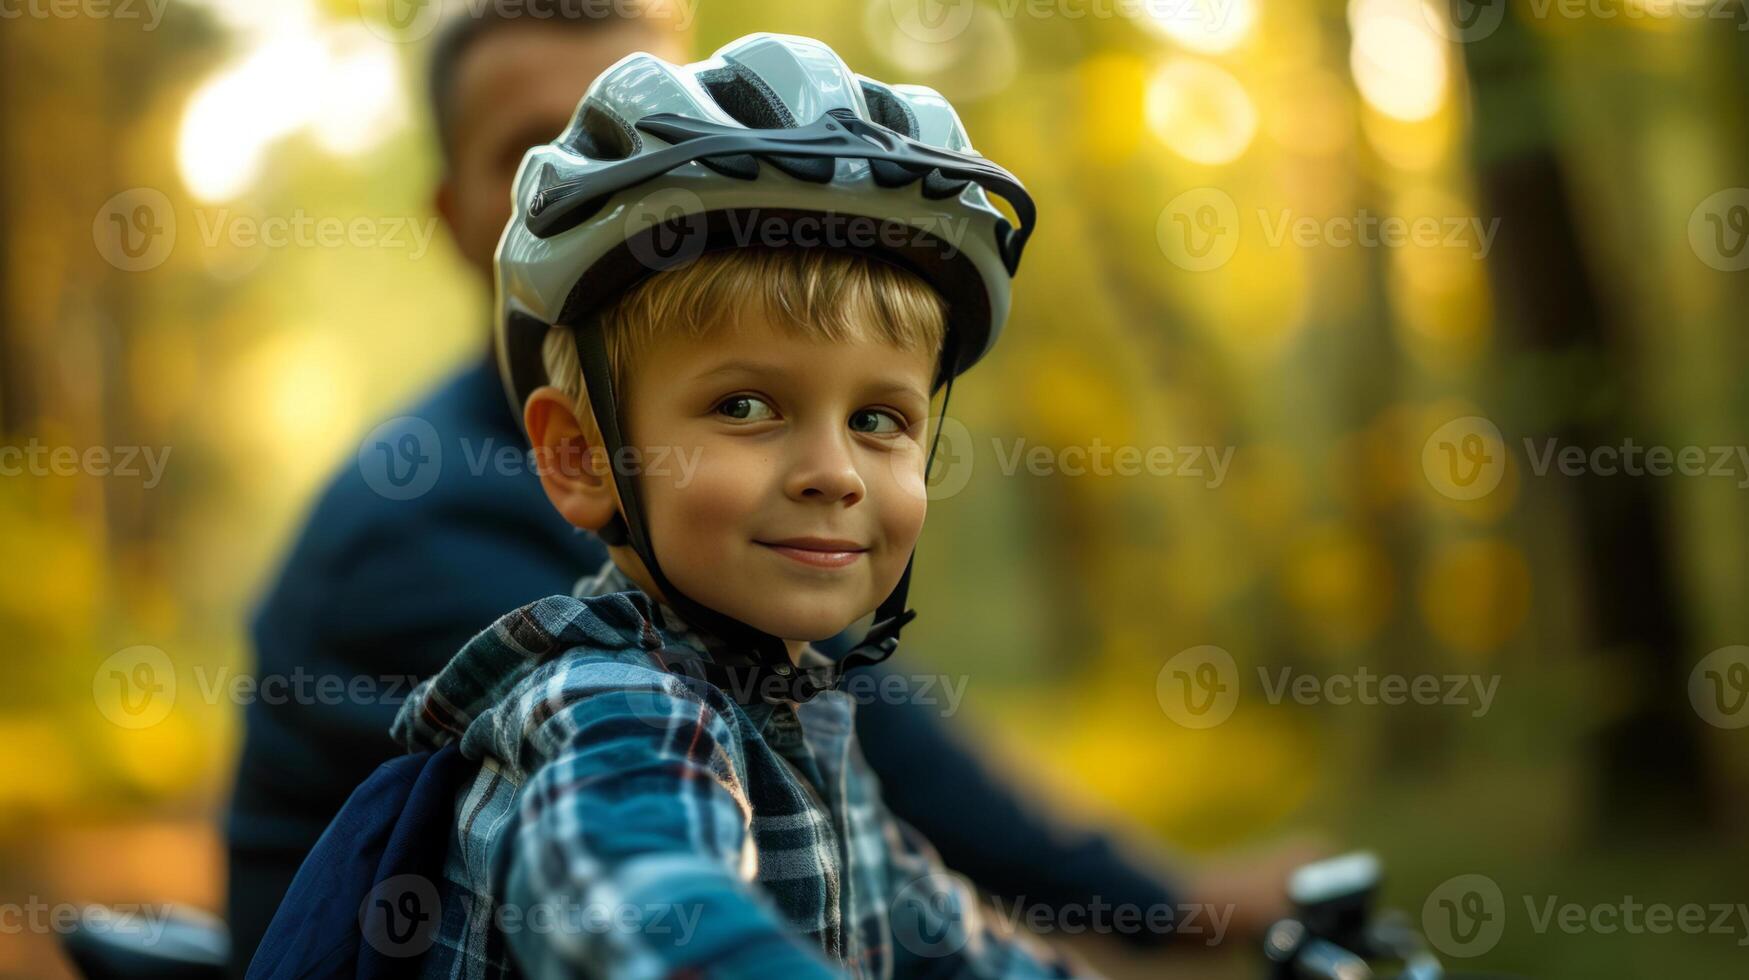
<point>509,79</point>
<point>778,402</point>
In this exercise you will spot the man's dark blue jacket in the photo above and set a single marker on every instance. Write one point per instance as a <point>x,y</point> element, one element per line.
<point>432,532</point>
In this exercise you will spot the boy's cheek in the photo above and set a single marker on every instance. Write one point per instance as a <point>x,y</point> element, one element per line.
<point>904,483</point>
<point>904,504</point>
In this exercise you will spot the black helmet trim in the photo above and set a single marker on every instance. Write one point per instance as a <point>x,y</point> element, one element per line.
<point>839,134</point>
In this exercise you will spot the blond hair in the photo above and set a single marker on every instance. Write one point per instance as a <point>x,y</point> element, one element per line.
<point>827,294</point>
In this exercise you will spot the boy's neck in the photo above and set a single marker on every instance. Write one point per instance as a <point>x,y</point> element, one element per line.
<point>633,568</point>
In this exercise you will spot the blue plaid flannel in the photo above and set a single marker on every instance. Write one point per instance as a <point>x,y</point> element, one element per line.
<point>632,822</point>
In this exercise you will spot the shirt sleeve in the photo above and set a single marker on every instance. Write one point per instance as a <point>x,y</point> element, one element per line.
<point>631,855</point>
<point>941,929</point>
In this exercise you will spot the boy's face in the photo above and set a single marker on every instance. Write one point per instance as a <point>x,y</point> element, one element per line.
<point>792,490</point>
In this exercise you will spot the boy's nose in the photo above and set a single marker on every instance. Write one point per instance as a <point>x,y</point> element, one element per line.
<point>825,471</point>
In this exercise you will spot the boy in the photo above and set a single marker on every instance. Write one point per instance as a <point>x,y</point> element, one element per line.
<point>668,778</point>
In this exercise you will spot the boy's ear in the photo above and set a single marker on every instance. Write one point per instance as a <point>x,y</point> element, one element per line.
<point>570,459</point>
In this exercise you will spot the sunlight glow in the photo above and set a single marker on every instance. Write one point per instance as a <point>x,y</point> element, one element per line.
<point>1201,111</point>
<point>1207,26</point>
<point>336,81</point>
<point>1399,63</point>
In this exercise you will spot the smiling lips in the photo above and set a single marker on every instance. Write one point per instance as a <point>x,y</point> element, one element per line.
<point>817,552</point>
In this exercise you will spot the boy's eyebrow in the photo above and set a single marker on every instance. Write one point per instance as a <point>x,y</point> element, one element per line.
<point>733,367</point>
<point>900,388</point>
<point>885,386</point>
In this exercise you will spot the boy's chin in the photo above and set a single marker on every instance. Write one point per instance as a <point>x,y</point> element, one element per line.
<point>812,628</point>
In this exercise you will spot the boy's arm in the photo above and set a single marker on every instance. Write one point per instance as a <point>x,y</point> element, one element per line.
<point>932,778</point>
<point>632,843</point>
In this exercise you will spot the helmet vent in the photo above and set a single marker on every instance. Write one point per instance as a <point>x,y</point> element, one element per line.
<point>746,98</point>
<point>889,110</point>
<point>749,101</point>
<point>601,135</point>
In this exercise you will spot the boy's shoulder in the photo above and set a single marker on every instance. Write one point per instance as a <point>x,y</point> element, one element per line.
<point>540,658</point>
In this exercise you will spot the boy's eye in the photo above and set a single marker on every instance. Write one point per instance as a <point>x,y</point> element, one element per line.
<point>876,422</point>
<point>745,408</point>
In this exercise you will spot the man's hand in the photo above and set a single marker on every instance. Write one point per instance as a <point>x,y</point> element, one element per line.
<point>1252,886</point>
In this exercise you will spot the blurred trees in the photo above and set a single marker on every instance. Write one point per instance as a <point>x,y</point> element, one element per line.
<point>1322,367</point>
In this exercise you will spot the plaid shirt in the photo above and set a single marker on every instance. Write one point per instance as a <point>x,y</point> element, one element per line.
<point>632,822</point>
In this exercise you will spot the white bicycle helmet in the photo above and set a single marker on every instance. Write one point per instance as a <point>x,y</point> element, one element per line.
<point>661,163</point>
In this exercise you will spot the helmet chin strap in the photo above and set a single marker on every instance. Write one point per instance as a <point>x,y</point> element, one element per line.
<point>749,664</point>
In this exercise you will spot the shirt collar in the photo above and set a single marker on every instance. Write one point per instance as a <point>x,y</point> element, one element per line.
<point>609,580</point>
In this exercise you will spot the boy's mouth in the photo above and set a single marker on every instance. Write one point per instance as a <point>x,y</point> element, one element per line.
<point>817,552</point>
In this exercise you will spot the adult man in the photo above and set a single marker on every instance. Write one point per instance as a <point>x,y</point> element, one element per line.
<point>421,575</point>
